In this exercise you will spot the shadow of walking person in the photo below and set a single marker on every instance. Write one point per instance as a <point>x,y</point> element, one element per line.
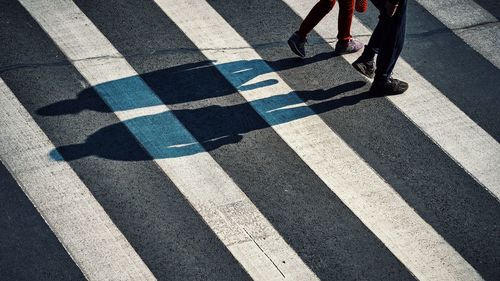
<point>163,134</point>
<point>178,84</point>
<point>198,120</point>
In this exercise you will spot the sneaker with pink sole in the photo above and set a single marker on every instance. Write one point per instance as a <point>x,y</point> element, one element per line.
<point>348,47</point>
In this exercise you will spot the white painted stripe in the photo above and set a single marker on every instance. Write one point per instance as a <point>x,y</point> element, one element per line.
<point>469,21</point>
<point>79,222</point>
<point>427,255</point>
<point>226,209</point>
<point>452,130</point>
<point>129,114</point>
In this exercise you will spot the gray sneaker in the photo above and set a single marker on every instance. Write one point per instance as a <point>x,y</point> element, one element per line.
<point>351,46</point>
<point>297,45</point>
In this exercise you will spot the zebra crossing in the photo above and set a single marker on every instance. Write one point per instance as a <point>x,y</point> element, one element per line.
<point>210,154</point>
<point>432,113</point>
<point>481,22</point>
<point>62,199</point>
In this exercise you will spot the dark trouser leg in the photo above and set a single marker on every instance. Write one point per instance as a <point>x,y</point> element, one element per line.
<point>377,35</point>
<point>389,39</point>
<point>374,44</point>
<point>317,13</point>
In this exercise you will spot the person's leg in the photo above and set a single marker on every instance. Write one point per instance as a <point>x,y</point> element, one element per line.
<point>387,41</point>
<point>317,13</point>
<point>392,37</point>
<point>346,11</point>
<point>391,44</point>
<point>345,43</point>
<point>372,48</point>
<point>365,64</point>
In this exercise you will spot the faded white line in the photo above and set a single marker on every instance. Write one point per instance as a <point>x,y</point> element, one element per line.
<point>129,114</point>
<point>425,253</point>
<point>79,222</point>
<point>469,21</point>
<point>451,129</point>
<point>252,240</point>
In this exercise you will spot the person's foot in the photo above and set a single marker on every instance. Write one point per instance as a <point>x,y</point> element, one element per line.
<point>347,47</point>
<point>365,66</point>
<point>297,45</point>
<point>388,87</point>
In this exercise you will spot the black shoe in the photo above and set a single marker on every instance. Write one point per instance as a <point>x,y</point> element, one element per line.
<point>365,67</point>
<point>388,87</point>
<point>297,45</point>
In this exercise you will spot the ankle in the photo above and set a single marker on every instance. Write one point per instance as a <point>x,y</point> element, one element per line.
<point>343,42</point>
<point>302,36</point>
<point>380,78</point>
<point>368,54</point>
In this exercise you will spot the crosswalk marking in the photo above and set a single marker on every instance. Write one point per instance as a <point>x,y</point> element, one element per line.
<point>79,222</point>
<point>471,147</point>
<point>381,209</point>
<point>469,21</point>
<point>444,123</point>
<point>232,216</point>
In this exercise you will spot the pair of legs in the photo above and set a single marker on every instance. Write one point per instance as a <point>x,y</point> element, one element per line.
<point>345,43</point>
<point>321,9</point>
<point>387,41</point>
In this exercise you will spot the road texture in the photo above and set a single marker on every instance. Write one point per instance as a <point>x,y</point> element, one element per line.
<point>183,140</point>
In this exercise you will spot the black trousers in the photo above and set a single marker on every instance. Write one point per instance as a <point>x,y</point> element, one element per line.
<point>387,39</point>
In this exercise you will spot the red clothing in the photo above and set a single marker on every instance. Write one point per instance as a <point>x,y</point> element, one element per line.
<point>319,11</point>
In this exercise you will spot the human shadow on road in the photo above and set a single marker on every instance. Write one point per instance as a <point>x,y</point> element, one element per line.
<point>193,92</point>
<point>179,84</point>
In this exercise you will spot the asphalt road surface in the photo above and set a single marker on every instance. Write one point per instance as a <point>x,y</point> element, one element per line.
<point>183,140</point>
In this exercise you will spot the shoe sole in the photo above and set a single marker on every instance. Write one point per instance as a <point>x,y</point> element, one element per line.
<point>382,94</point>
<point>363,71</point>
<point>295,49</point>
<point>343,52</point>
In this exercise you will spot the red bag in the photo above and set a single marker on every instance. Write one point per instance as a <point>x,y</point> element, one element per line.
<point>361,6</point>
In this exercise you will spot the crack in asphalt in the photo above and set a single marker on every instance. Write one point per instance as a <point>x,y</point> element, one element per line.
<point>258,246</point>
